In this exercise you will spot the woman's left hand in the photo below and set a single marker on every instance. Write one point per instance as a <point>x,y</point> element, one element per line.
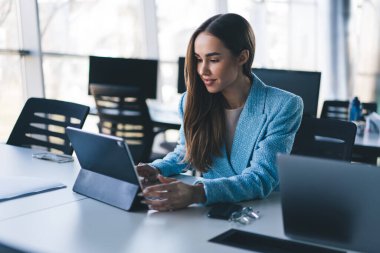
<point>171,194</point>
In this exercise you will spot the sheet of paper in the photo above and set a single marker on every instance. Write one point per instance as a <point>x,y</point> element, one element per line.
<point>14,187</point>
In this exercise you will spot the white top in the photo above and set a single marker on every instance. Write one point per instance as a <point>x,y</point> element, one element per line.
<point>232,117</point>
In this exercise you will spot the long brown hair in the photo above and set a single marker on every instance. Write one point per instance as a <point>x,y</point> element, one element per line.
<point>204,120</point>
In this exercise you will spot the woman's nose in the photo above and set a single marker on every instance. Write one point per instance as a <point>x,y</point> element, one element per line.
<point>204,70</point>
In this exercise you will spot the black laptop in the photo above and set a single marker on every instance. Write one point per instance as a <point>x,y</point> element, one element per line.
<point>108,173</point>
<point>331,202</point>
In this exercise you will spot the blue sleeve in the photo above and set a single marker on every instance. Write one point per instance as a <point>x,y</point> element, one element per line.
<point>172,163</point>
<point>260,177</point>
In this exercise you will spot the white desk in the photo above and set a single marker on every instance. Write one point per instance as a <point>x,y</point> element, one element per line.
<point>368,140</point>
<point>17,161</point>
<point>62,221</point>
<point>90,226</point>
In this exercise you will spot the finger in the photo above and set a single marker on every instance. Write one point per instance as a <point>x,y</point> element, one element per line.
<point>165,180</point>
<point>141,170</point>
<point>157,194</point>
<point>159,187</point>
<point>162,207</point>
<point>157,204</point>
<point>146,171</point>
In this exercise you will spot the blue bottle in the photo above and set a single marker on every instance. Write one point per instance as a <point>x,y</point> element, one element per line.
<point>355,111</point>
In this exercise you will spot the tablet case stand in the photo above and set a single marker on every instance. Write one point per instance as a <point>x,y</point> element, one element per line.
<point>109,190</point>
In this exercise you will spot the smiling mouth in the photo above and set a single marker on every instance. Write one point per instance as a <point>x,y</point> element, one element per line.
<point>208,81</point>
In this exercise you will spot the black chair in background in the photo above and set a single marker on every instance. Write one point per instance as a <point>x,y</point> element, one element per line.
<point>123,112</point>
<point>335,109</point>
<point>325,138</point>
<point>302,83</point>
<point>42,124</point>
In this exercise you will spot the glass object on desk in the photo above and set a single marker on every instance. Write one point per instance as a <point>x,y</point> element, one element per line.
<point>58,158</point>
<point>233,213</point>
<point>244,216</point>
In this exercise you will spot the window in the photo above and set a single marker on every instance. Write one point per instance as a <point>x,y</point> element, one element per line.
<point>104,27</point>
<point>286,32</point>
<point>11,91</point>
<point>72,30</point>
<point>67,78</point>
<point>290,34</point>
<point>176,21</point>
<point>364,40</point>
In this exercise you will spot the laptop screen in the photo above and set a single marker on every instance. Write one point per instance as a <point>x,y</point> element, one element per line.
<point>330,202</point>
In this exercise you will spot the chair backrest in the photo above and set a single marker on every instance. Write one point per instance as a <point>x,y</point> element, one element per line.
<point>325,138</point>
<point>302,83</point>
<point>335,109</point>
<point>42,124</point>
<point>123,112</point>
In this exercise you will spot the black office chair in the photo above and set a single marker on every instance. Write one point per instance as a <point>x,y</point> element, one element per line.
<point>302,83</point>
<point>42,124</point>
<point>123,112</point>
<point>335,109</point>
<point>325,138</point>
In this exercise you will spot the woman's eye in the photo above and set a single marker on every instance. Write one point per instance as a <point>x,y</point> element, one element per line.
<point>214,60</point>
<point>199,60</point>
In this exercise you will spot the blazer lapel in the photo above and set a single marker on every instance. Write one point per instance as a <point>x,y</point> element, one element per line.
<point>248,128</point>
<point>223,164</point>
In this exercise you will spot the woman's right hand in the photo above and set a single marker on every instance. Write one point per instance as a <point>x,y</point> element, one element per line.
<point>148,173</point>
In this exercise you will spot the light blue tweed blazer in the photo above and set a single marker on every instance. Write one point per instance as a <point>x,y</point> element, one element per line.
<point>267,126</point>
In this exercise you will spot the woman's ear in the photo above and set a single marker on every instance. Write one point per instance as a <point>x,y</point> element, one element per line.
<point>243,57</point>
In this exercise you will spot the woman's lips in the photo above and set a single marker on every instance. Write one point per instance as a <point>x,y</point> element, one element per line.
<point>208,81</point>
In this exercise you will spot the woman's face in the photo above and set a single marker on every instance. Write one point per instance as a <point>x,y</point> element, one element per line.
<point>216,65</point>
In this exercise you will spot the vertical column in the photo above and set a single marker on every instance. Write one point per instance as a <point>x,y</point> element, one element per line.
<point>31,63</point>
<point>151,31</point>
<point>339,49</point>
<point>151,37</point>
<point>377,10</point>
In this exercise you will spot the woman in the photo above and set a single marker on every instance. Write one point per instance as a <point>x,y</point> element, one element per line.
<point>233,124</point>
